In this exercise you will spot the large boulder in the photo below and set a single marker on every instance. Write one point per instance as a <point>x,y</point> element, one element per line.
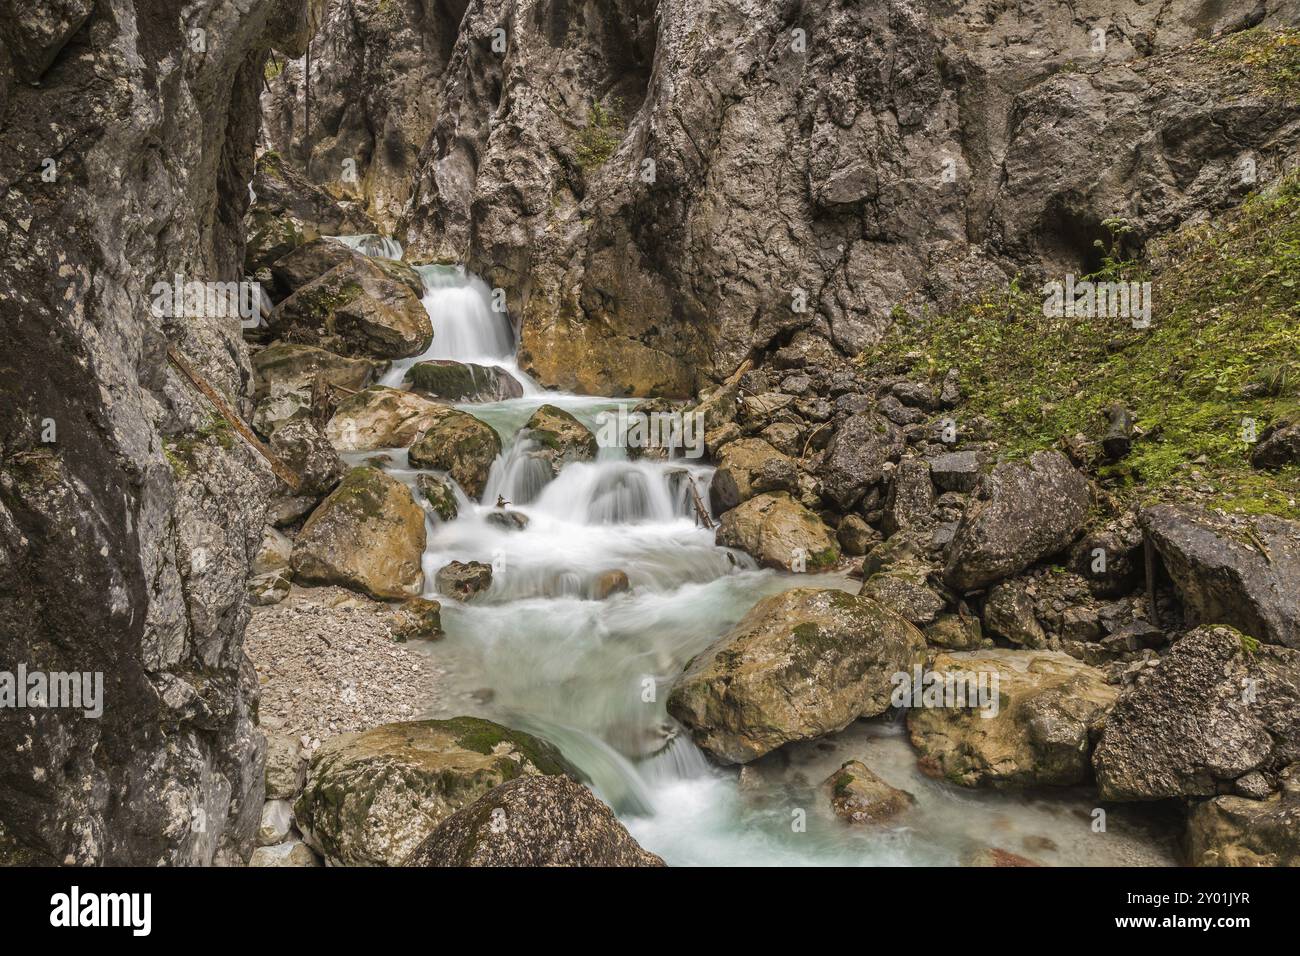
<point>1232,570</point>
<point>463,381</point>
<point>1218,706</point>
<point>357,308</point>
<point>316,257</point>
<point>1238,831</point>
<point>381,417</point>
<point>1022,512</point>
<point>533,821</point>
<point>286,367</point>
<point>368,535</point>
<point>779,532</point>
<point>801,664</point>
<point>1044,712</point>
<point>856,457</point>
<point>459,444</point>
<point>748,467</point>
<point>372,797</point>
<point>561,437</point>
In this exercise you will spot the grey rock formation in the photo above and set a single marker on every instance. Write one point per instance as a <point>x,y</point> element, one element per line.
<point>127,532</point>
<point>1022,512</point>
<point>1217,707</point>
<point>366,98</point>
<point>814,166</point>
<point>533,821</point>
<point>1238,571</point>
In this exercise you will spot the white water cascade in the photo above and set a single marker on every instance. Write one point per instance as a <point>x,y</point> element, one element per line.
<point>540,652</point>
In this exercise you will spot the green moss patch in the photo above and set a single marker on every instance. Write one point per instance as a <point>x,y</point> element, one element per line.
<point>1220,360</point>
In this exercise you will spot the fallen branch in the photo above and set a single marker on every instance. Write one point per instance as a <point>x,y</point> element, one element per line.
<point>701,512</point>
<point>282,471</point>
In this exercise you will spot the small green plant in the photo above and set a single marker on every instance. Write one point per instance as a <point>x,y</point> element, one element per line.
<point>597,140</point>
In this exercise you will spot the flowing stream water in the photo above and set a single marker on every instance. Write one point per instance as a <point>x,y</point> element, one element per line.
<point>538,652</point>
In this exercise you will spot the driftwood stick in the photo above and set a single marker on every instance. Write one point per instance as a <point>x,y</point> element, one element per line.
<point>282,471</point>
<point>701,512</point>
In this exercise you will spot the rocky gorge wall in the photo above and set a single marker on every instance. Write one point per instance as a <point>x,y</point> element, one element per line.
<point>665,188</point>
<point>128,512</point>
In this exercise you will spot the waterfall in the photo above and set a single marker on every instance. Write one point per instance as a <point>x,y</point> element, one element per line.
<point>369,244</point>
<point>466,328</point>
<point>603,588</point>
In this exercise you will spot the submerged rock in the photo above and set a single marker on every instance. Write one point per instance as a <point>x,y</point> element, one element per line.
<point>533,821</point>
<point>463,381</point>
<point>459,444</point>
<point>1237,571</point>
<point>610,583</point>
<point>1038,727</point>
<point>779,532</point>
<point>440,495</point>
<point>368,535</point>
<point>1216,707</point>
<point>462,580</point>
<point>801,664</point>
<point>859,796</point>
<point>1021,513</point>
<point>382,417</point>
<point>561,437</point>
<point>507,519</point>
<point>372,797</point>
<point>417,619</point>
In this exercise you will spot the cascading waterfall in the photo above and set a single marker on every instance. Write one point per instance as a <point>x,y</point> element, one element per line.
<point>546,651</point>
<point>369,244</point>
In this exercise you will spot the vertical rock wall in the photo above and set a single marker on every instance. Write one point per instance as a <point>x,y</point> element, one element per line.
<point>128,514</point>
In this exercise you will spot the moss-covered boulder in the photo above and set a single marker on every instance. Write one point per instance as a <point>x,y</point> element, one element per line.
<point>857,795</point>
<point>356,308</point>
<point>801,664</point>
<point>368,535</point>
<point>533,821</point>
<point>779,532</point>
<point>381,417</point>
<point>560,437</point>
<point>459,444</point>
<point>372,797</point>
<point>1043,713</point>
<point>440,495</point>
<point>463,381</point>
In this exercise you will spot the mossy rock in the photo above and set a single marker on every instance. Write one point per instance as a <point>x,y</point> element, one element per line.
<point>372,796</point>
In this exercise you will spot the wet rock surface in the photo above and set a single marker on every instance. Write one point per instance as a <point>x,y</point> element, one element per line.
<point>533,821</point>
<point>801,664</point>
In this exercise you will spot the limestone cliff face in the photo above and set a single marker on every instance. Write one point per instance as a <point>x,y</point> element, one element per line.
<point>128,518</point>
<point>356,112</point>
<point>816,165</point>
